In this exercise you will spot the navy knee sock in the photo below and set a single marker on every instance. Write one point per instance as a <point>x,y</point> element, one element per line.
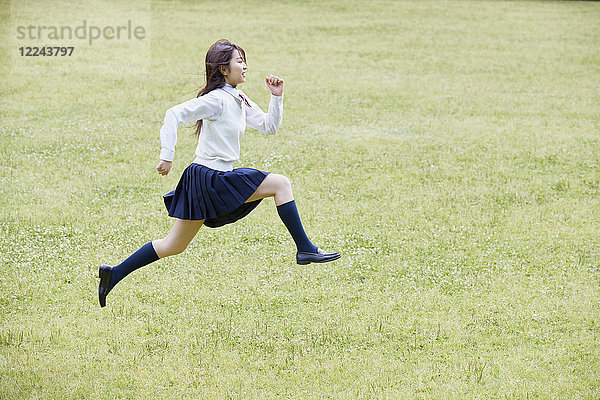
<point>144,256</point>
<point>288,213</point>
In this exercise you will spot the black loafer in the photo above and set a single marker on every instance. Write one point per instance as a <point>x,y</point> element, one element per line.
<point>105,273</point>
<point>320,256</point>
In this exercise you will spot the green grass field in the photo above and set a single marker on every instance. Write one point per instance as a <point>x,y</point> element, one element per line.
<point>449,150</point>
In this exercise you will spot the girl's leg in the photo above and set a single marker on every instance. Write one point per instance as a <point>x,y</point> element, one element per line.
<point>274,185</point>
<point>279,187</point>
<point>180,235</point>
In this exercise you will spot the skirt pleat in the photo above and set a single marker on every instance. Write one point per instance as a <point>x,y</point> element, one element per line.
<point>217,197</point>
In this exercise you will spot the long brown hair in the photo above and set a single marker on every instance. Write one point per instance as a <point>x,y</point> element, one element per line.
<point>219,54</point>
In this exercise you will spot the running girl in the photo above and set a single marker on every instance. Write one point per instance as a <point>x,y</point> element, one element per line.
<point>210,192</point>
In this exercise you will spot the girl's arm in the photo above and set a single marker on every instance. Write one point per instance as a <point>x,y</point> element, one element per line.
<point>204,107</point>
<point>268,122</point>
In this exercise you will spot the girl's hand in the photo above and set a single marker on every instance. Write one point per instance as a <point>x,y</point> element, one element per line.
<point>164,167</point>
<point>274,84</point>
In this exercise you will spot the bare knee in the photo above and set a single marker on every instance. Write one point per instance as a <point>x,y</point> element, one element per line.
<point>282,183</point>
<point>283,189</point>
<point>165,247</point>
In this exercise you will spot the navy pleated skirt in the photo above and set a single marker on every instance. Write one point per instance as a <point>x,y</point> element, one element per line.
<point>217,197</point>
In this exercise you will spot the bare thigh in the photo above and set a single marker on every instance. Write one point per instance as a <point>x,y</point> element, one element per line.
<point>178,238</point>
<point>274,185</point>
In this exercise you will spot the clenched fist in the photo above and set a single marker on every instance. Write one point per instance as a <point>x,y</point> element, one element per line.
<point>274,84</point>
<point>164,167</point>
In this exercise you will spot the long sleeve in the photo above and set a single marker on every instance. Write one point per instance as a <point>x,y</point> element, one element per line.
<point>208,106</point>
<point>268,122</point>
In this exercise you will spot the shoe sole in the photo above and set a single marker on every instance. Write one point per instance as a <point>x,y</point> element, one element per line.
<point>104,282</point>
<point>305,262</point>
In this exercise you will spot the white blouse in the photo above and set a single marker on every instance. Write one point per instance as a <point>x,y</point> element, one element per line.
<point>225,113</point>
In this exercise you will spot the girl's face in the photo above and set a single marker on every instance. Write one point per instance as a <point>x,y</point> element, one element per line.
<point>236,73</point>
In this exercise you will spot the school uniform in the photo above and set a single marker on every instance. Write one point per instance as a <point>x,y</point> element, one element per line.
<point>210,189</point>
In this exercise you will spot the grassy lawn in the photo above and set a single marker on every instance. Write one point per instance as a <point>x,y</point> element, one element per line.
<point>449,150</point>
